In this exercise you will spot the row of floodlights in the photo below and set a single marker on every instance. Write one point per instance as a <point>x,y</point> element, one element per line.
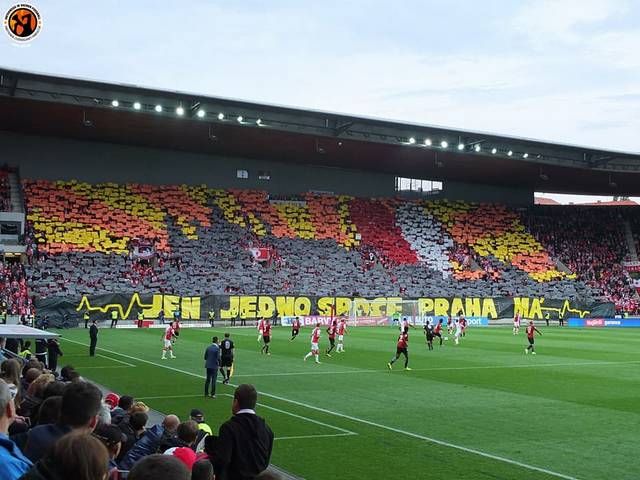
<point>200,113</point>
<point>461,146</point>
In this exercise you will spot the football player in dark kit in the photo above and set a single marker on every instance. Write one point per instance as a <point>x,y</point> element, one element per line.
<point>332,331</point>
<point>401,349</point>
<point>226,358</point>
<point>295,328</point>
<point>428,331</point>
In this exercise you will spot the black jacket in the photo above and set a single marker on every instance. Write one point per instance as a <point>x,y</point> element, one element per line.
<point>244,447</point>
<point>45,469</point>
<point>93,332</point>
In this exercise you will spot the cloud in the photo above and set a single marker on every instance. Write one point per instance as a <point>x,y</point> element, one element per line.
<point>547,22</point>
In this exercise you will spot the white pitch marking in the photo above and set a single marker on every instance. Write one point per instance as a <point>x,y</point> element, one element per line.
<point>78,355</point>
<point>363,421</point>
<point>101,366</point>
<point>299,437</point>
<point>343,431</point>
<point>311,420</point>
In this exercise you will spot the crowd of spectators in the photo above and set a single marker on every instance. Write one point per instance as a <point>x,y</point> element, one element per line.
<point>14,292</point>
<point>5,189</point>
<point>591,243</point>
<point>58,426</point>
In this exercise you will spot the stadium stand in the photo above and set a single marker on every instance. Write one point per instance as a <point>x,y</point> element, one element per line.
<point>5,192</point>
<point>202,241</point>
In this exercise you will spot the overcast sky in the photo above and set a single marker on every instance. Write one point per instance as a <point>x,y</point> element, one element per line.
<point>565,70</point>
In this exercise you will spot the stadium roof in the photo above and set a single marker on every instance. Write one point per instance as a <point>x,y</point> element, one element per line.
<point>126,114</point>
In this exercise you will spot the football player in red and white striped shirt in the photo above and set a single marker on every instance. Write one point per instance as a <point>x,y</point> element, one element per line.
<point>167,336</point>
<point>266,336</point>
<point>260,329</point>
<point>342,330</point>
<point>315,339</point>
<point>516,324</point>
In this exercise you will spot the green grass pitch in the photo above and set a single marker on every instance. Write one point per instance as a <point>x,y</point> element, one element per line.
<point>480,410</point>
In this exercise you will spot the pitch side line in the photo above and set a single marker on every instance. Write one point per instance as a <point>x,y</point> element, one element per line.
<point>343,431</point>
<point>301,437</point>
<point>363,421</point>
<point>91,367</point>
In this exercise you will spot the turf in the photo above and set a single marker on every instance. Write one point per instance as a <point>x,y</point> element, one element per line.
<point>572,411</point>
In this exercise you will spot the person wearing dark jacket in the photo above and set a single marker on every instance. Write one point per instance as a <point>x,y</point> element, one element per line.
<point>93,337</point>
<point>211,364</point>
<point>53,352</point>
<point>132,428</point>
<point>186,436</point>
<point>150,442</point>
<point>77,456</point>
<point>245,441</point>
<point>81,403</point>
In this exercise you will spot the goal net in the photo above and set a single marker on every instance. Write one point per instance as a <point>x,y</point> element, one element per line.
<point>386,312</point>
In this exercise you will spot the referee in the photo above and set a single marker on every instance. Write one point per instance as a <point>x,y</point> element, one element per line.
<point>226,358</point>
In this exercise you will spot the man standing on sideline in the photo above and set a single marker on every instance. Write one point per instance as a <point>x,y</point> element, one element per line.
<point>245,441</point>
<point>53,352</point>
<point>13,463</point>
<point>226,358</point>
<point>211,363</point>
<point>114,318</point>
<point>93,336</point>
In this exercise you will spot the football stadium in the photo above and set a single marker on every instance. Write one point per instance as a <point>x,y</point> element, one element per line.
<point>199,287</point>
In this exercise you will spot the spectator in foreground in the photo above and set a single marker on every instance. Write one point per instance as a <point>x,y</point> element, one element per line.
<point>112,438</point>
<point>186,435</point>
<point>132,428</point>
<point>245,441</point>
<point>151,441</point>
<point>124,404</point>
<point>202,470</point>
<point>154,467</point>
<point>81,402</point>
<point>77,456</point>
<point>13,463</point>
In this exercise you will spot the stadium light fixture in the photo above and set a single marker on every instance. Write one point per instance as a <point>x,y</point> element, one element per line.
<point>412,140</point>
<point>477,147</point>
<point>444,144</point>
<point>494,150</point>
<point>427,142</point>
<point>137,106</point>
<point>526,155</point>
<point>158,108</point>
<point>180,111</point>
<point>461,146</point>
<point>115,103</point>
<point>221,116</point>
<point>510,153</point>
<point>201,113</point>
<point>239,119</point>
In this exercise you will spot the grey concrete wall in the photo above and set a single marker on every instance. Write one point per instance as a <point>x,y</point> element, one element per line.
<point>473,192</point>
<point>52,158</point>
